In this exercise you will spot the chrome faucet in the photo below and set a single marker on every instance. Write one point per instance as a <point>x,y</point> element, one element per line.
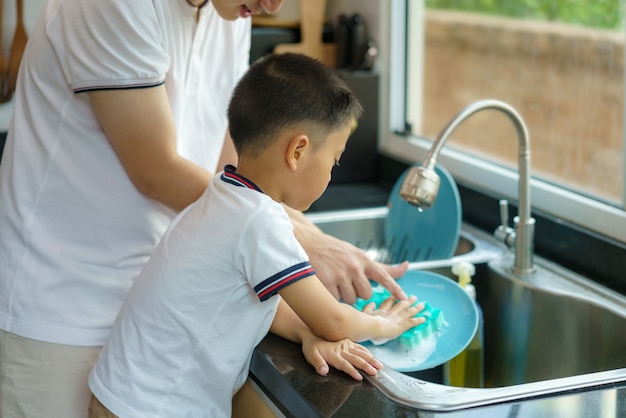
<point>421,184</point>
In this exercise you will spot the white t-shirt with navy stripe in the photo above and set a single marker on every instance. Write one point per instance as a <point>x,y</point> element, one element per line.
<point>75,232</point>
<point>185,336</point>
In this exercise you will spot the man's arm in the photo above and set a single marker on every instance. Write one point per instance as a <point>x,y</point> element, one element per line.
<point>140,127</point>
<point>228,155</point>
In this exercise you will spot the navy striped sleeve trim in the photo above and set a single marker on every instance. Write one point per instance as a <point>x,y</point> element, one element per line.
<point>271,286</point>
<point>229,176</point>
<point>118,87</point>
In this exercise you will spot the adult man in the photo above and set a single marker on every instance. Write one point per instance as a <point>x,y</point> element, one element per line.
<point>119,124</point>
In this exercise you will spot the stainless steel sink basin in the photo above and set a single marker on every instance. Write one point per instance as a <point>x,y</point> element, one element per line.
<point>365,228</point>
<point>549,332</point>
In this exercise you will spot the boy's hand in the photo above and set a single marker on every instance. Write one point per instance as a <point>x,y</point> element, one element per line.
<point>398,315</point>
<point>344,355</point>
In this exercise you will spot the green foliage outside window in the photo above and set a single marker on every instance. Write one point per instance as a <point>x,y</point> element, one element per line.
<point>605,14</point>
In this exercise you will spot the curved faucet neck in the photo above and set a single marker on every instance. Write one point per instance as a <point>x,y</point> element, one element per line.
<point>524,222</point>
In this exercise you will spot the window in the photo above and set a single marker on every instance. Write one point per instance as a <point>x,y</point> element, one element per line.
<point>559,63</point>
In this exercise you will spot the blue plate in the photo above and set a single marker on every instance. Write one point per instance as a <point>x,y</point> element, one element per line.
<point>430,234</point>
<point>460,313</point>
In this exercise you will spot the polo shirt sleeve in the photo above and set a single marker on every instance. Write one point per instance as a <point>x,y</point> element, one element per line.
<point>110,44</point>
<point>273,258</point>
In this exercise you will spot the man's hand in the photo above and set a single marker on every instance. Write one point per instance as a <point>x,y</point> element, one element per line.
<point>344,269</point>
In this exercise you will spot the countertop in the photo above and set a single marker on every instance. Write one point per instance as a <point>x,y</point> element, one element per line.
<point>278,367</point>
<point>280,370</point>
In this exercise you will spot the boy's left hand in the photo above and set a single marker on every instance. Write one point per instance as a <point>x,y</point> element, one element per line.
<point>344,355</point>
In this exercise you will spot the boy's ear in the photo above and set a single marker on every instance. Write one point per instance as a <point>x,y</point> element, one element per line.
<point>296,149</point>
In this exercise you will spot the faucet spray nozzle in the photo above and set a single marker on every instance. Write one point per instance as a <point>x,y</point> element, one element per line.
<point>420,187</point>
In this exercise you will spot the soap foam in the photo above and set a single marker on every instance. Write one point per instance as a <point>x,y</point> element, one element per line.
<point>398,357</point>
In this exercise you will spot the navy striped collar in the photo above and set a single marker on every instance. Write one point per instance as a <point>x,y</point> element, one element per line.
<point>229,176</point>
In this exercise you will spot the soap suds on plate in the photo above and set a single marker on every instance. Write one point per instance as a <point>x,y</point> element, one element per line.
<point>398,357</point>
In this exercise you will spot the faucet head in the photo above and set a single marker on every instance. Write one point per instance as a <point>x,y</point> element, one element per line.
<point>420,187</point>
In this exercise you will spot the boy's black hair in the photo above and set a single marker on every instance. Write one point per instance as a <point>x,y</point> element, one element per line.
<point>281,91</point>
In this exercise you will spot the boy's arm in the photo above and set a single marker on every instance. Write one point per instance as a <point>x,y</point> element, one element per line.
<point>329,319</point>
<point>343,355</point>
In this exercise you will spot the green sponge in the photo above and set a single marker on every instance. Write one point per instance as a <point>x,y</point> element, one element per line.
<point>379,295</point>
<point>413,336</point>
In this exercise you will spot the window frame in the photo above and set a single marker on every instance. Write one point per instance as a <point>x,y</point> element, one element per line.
<point>584,211</point>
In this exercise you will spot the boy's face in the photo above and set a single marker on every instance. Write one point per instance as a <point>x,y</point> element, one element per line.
<point>317,168</point>
<point>235,9</point>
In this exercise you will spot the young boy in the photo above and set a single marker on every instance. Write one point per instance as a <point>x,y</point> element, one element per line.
<point>229,268</point>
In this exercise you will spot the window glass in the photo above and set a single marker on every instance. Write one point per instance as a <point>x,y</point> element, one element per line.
<point>559,63</point>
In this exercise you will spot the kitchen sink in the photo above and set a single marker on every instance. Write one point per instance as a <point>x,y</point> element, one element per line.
<point>365,228</point>
<point>548,332</point>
